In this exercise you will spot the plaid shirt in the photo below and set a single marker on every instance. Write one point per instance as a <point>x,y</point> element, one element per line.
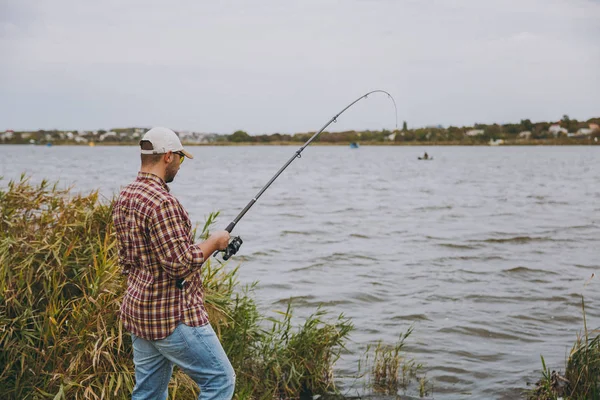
<point>156,247</point>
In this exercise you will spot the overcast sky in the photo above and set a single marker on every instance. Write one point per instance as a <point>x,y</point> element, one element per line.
<point>269,66</point>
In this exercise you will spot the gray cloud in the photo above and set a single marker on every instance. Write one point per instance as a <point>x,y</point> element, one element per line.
<point>272,66</point>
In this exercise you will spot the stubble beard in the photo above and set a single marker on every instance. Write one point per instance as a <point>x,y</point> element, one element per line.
<point>170,173</point>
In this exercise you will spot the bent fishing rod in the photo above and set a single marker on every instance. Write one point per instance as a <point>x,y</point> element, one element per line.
<point>236,241</point>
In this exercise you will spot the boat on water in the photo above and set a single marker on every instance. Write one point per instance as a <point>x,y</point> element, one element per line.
<point>354,145</point>
<point>425,159</point>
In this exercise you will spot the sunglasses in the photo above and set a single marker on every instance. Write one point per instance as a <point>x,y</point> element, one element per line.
<point>181,156</point>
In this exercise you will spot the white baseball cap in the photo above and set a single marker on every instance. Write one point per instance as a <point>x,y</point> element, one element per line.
<point>163,140</point>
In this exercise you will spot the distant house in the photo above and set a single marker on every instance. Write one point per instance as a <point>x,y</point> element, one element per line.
<point>584,131</point>
<point>8,135</point>
<point>475,132</point>
<point>556,130</point>
<point>525,135</point>
<point>106,135</point>
<point>80,139</point>
<point>196,137</point>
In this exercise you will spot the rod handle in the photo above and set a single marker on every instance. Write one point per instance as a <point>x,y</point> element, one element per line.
<point>230,227</point>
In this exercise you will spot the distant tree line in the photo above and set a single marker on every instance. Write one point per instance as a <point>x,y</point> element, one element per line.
<point>476,134</point>
<point>485,132</point>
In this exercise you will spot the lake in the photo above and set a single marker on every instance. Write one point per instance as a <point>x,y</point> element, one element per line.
<point>486,251</point>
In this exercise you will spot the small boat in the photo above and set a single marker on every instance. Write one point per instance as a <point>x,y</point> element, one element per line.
<point>425,159</point>
<point>354,145</point>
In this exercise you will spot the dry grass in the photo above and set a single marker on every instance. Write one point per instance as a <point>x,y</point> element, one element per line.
<point>60,288</point>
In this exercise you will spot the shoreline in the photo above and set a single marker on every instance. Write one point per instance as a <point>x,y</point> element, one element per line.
<point>534,142</point>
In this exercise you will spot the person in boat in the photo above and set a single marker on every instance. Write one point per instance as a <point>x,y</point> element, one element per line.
<point>425,156</point>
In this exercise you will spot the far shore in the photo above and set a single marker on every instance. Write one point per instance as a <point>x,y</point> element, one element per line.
<point>521,142</point>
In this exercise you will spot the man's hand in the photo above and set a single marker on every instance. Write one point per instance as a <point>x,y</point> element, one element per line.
<point>217,241</point>
<point>221,239</point>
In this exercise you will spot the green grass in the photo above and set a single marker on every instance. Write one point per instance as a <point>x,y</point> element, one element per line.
<point>581,380</point>
<point>60,288</point>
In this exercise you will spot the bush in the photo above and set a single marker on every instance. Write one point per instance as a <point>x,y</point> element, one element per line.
<point>60,290</point>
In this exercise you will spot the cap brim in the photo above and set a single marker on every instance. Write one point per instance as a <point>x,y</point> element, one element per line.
<point>188,155</point>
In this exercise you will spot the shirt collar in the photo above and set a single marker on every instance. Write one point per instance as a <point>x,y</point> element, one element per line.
<point>153,178</point>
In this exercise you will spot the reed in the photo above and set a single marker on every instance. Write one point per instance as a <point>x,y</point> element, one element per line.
<point>581,380</point>
<point>60,290</point>
<point>390,371</point>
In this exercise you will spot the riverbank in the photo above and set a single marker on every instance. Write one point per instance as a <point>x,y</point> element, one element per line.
<point>533,142</point>
<point>567,129</point>
<point>507,143</point>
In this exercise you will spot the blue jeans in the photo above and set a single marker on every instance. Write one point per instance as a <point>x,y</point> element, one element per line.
<point>196,350</point>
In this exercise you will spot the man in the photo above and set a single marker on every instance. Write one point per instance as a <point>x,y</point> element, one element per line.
<point>167,320</point>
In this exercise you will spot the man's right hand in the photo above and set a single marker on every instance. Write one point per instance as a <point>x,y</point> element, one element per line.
<point>217,241</point>
<point>221,239</point>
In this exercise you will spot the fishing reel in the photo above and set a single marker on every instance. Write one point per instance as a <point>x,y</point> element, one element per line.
<point>232,247</point>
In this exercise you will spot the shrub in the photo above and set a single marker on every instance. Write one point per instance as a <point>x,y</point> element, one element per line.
<point>60,290</point>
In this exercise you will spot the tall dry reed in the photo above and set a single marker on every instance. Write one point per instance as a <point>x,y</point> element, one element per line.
<point>60,288</point>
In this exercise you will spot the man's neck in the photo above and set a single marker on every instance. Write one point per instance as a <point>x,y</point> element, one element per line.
<point>154,171</point>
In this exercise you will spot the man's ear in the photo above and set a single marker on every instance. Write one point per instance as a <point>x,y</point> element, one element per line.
<point>168,157</point>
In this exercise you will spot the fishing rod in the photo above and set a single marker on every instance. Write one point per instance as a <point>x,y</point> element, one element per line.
<point>236,241</point>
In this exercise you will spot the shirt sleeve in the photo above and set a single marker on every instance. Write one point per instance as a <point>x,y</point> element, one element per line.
<point>171,239</point>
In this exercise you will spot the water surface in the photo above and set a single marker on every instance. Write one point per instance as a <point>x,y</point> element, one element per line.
<point>485,250</point>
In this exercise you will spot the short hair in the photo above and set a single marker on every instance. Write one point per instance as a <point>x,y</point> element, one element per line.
<point>149,159</point>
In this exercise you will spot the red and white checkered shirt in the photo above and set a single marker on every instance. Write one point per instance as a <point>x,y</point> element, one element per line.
<point>156,247</point>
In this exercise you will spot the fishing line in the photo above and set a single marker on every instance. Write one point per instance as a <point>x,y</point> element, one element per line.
<point>236,241</point>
